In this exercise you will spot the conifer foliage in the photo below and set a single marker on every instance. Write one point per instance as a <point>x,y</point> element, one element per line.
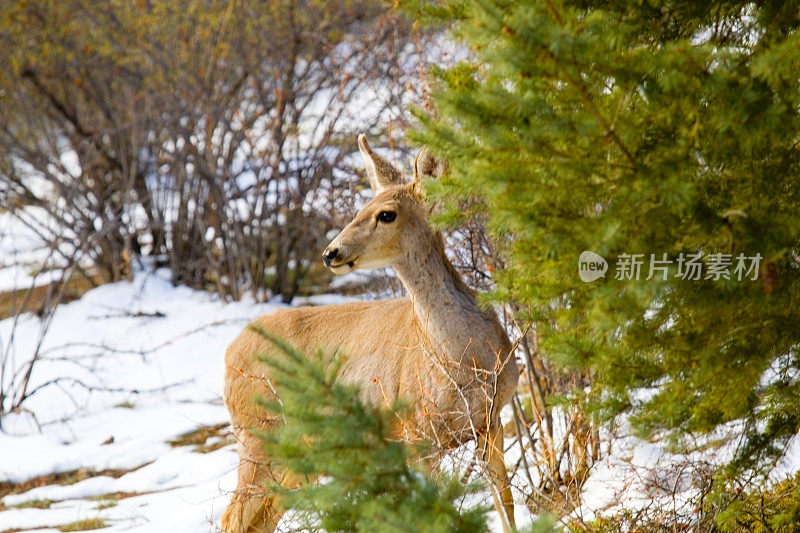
<point>664,137</point>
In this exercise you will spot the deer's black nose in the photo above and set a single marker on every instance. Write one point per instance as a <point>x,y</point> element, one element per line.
<point>328,256</point>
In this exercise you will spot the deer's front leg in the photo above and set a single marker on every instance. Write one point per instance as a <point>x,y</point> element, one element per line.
<point>491,446</point>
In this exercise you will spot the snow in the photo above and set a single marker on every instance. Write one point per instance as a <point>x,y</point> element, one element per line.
<point>152,355</point>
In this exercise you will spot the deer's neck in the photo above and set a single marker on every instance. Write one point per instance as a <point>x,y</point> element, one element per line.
<point>444,306</point>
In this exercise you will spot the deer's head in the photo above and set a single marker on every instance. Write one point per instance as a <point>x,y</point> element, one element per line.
<point>389,226</point>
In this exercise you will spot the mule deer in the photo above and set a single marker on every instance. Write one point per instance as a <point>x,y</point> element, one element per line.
<point>437,348</point>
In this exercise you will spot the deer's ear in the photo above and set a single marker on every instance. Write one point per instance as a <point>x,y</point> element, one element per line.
<point>427,166</point>
<point>380,173</point>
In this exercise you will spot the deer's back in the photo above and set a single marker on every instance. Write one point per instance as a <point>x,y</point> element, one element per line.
<point>380,341</point>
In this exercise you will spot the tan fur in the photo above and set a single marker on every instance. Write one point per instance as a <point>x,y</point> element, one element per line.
<point>436,348</point>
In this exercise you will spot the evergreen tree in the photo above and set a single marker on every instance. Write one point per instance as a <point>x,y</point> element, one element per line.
<point>655,127</point>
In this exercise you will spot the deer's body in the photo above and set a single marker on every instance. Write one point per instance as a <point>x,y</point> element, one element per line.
<point>436,348</point>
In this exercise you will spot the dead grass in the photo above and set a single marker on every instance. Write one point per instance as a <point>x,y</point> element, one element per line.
<point>34,504</point>
<point>219,435</point>
<point>62,478</point>
<point>33,300</point>
<point>80,525</point>
<point>117,496</point>
<point>84,525</point>
<point>106,505</point>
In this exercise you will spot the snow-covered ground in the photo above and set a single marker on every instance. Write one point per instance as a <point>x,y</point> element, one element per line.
<point>148,357</point>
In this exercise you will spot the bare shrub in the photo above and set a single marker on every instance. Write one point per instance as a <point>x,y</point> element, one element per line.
<point>207,136</point>
<point>556,442</point>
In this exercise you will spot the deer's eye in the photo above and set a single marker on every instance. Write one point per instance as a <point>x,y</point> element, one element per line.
<point>387,216</point>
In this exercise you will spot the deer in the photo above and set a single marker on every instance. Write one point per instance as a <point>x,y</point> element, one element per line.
<point>436,348</point>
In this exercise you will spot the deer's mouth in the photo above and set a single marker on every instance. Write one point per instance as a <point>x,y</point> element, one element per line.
<point>343,267</point>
